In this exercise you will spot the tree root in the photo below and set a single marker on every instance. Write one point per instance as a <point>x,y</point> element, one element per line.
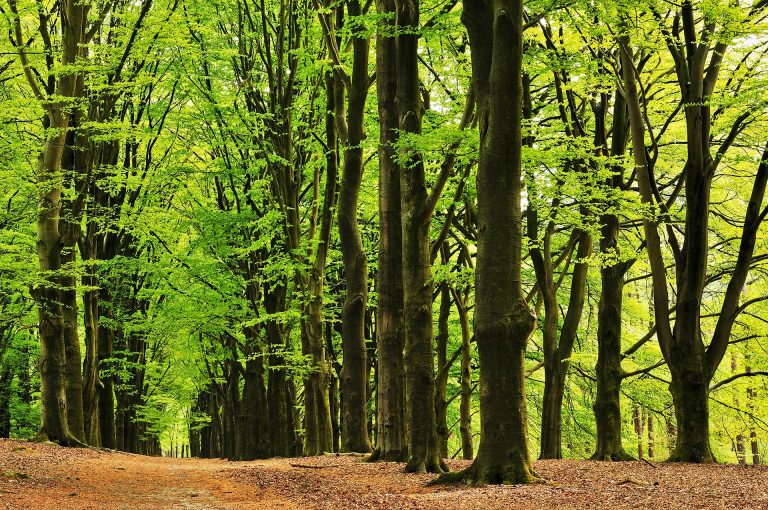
<point>375,456</point>
<point>474,475</point>
<point>692,454</point>
<point>621,456</point>
<point>69,440</point>
<point>431,464</point>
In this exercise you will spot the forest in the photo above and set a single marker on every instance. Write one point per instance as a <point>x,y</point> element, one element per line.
<point>397,231</point>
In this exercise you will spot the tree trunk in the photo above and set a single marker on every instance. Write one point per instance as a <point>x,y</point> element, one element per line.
<point>651,438</point>
<point>5,399</point>
<point>638,419</point>
<point>465,409</point>
<point>390,419</point>
<point>54,368</point>
<point>503,320</point>
<point>282,443</point>
<point>334,391</point>
<point>106,396</point>
<point>253,407</point>
<point>317,422</point>
<point>608,371</point>
<point>441,384</point>
<point>417,265</point>
<point>691,399</point>
<point>91,382</point>
<point>73,367</point>
<point>354,384</point>
<point>558,352</point>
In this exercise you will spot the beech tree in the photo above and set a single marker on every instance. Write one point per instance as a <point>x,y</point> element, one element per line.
<point>539,237</point>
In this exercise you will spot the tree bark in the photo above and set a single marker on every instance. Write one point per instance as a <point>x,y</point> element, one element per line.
<point>354,384</point>
<point>465,406</point>
<point>607,406</point>
<point>558,352</point>
<point>424,454</point>
<point>277,384</point>
<point>441,383</point>
<point>503,320</point>
<point>91,381</point>
<point>106,396</point>
<point>54,408</point>
<point>317,417</point>
<point>390,419</point>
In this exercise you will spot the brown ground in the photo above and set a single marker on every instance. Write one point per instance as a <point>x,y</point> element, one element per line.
<point>34,476</point>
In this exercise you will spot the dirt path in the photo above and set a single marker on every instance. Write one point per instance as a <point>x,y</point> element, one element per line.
<point>36,477</point>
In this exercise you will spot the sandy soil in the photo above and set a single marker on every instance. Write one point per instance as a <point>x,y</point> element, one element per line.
<point>34,476</point>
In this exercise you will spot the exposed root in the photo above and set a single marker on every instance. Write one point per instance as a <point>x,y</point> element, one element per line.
<point>474,475</point>
<point>620,456</point>
<point>431,464</point>
<point>375,456</point>
<point>701,454</point>
<point>69,440</point>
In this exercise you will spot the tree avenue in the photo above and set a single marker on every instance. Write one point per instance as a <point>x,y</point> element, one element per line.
<point>405,230</point>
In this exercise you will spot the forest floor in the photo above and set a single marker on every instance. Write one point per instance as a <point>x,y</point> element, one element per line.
<point>35,476</point>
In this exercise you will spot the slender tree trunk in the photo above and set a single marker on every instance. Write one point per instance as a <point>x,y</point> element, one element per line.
<point>638,419</point>
<point>651,438</point>
<point>282,443</point>
<point>335,403</point>
<point>73,367</point>
<point>231,410</point>
<point>441,383</point>
<point>5,400</point>
<point>106,396</point>
<point>557,359</point>
<point>318,428</point>
<point>354,434</point>
<point>92,384</point>
<point>465,409</point>
<point>608,371</point>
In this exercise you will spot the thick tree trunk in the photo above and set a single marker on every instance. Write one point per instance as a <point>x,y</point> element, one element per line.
<point>503,320</point>
<point>682,346</point>
<point>690,395</point>
<point>390,419</point>
<point>54,367</point>
<point>53,373</point>
<point>254,424</point>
